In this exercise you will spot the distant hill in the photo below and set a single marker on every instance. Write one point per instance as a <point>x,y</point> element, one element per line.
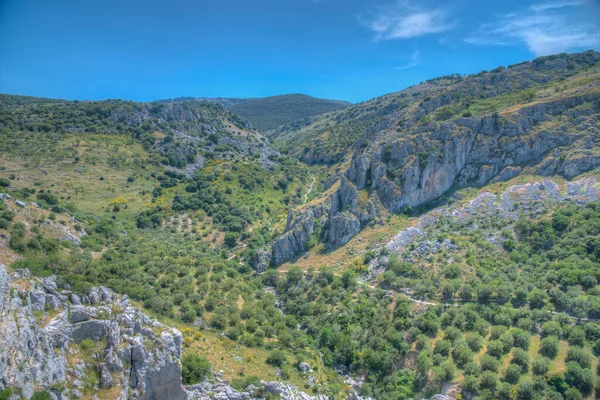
<point>225,101</point>
<point>271,112</point>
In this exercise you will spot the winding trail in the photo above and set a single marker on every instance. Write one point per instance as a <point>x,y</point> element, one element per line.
<point>310,188</point>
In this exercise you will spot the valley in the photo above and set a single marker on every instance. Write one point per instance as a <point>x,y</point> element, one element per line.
<point>439,242</point>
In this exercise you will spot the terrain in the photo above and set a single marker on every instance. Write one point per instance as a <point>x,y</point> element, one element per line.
<point>438,241</point>
<point>268,113</point>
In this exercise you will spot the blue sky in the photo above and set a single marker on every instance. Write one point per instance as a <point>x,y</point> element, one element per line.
<point>344,49</point>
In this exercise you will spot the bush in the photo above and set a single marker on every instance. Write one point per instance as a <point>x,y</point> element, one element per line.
<point>43,395</point>
<point>5,394</point>
<point>4,182</point>
<point>277,358</point>
<point>194,369</point>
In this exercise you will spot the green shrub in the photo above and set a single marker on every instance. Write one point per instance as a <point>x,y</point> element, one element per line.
<point>43,395</point>
<point>5,394</point>
<point>277,358</point>
<point>194,369</point>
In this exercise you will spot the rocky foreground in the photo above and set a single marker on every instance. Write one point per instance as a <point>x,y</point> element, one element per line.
<point>96,346</point>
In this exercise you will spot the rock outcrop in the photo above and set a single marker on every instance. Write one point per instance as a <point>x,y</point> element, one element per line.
<point>336,221</point>
<point>347,215</point>
<point>54,340</point>
<point>423,164</point>
<point>221,390</point>
<point>300,227</point>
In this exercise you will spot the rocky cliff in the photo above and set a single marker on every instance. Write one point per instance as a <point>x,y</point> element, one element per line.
<point>335,221</point>
<point>71,346</point>
<point>424,163</point>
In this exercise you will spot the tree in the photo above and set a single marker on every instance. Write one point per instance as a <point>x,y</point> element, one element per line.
<point>521,339</point>
<point>488,380</point>
<point>512,374</point>
<point>489,363</point>
<point>581,378</point>
<point>551,328</point>
<point>537,298</point>
<point>521,358</point>
<point>580,356</point>
<point>294,276</point>
<point>526,390</point>
<point>540,365</point>
<point>549,346</point>
<point>194,369</point>
<point>424,363</point>
<point>470,384</point>
<point>495,348</point>
<point>442,347</point>
<point>462,355</point>
<point>4,182</point>
<point>231,239</point>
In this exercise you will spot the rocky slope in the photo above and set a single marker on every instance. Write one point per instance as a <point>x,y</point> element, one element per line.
<point>489,213</point>
<point>429,160</point>
<point>48,338</point>
<point>97,346</point>
<point>183,134</point>
<point>419,144</point>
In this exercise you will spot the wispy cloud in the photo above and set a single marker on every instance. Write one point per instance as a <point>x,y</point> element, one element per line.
<point>549,5</point>
<point>403,20</point>
<point>413,62</point>
<point>541,28</point>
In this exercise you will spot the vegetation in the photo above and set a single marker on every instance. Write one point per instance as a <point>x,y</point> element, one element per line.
<point>270,112</point>
<point>513,317</point>
<point>194,369</point>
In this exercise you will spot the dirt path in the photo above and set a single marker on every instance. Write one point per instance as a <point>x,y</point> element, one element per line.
<point>310,188</point>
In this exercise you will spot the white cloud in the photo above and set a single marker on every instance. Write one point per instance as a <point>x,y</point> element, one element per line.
<point>544,31</point>
<point>403,20</point>
<point>413,62</point>
<point>549,5</point>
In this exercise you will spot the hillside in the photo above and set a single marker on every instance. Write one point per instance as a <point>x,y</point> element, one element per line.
<point>442,240</point>
<point>270,112</point>
<point>225,101</point>
<point>329,139</point>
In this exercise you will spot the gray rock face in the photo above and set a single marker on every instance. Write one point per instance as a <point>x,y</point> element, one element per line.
<point>33,352</point>
<point>262,260</point>
<point>420,166</point>
<point>341,221</point>
<point>301,225</point>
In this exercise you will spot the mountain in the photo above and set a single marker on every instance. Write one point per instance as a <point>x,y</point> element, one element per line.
<point>410,148</point>
<point>270,112</point>
<point>225,101</point>
<point>440,241</point>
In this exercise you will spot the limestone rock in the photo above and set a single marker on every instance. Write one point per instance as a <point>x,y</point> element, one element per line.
<point>33,357</point>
